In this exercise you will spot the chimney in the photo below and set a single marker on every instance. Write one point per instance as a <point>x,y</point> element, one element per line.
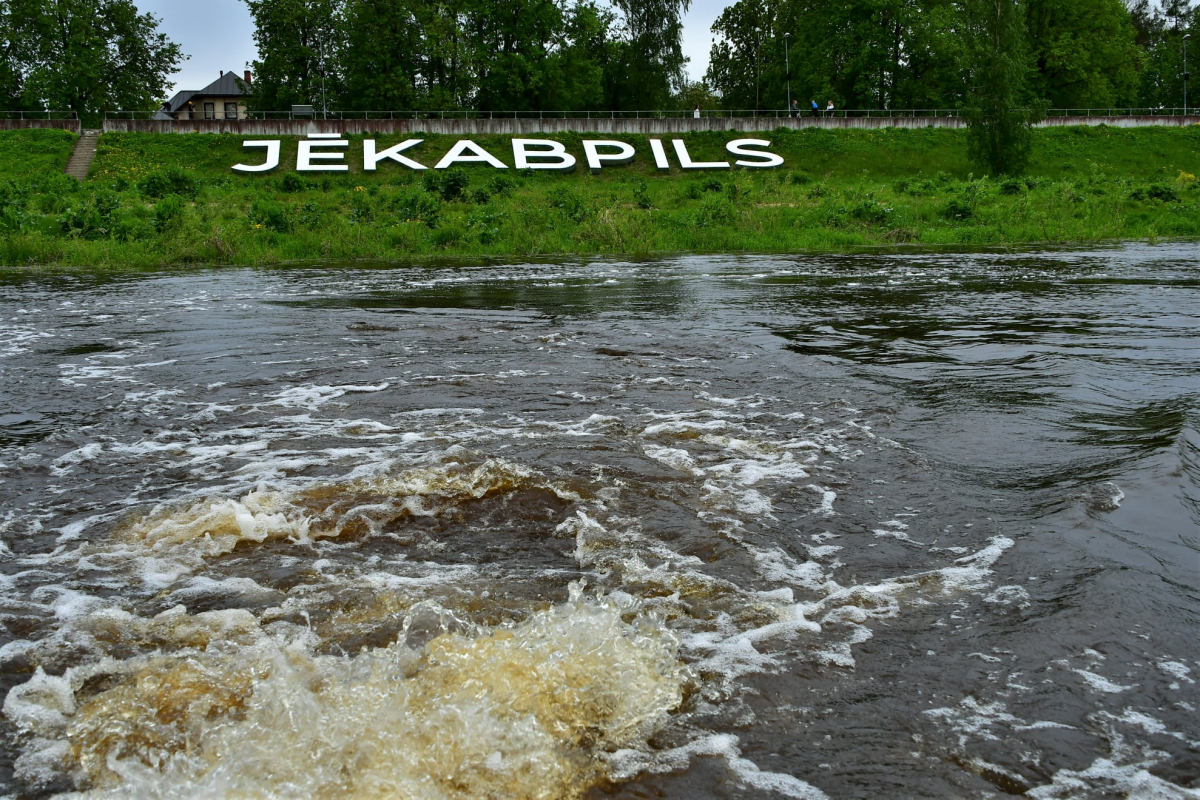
<point>248,77</point>
<point>222,73</point>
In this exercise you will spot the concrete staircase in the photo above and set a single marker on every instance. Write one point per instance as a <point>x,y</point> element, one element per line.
<point>81,157</point>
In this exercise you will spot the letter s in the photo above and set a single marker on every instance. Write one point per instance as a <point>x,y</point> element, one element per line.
<point>767,160</point>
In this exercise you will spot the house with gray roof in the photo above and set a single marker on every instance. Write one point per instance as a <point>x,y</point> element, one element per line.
<point>224,98</point>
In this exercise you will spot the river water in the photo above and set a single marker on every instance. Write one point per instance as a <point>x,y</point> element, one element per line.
<point>843,526</point>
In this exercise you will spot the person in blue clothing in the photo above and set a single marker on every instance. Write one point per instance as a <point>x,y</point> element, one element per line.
<point>815,108</point>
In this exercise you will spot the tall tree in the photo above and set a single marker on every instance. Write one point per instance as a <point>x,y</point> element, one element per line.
<point>11,69</point>
<point>649,65</point>
<point>1162,76</point>
<point>300,47</point>
<point>860,53</point>
<point>91,55</point>
<point>1085,51</point>
<point>383,61</point>
<point>998,112</point>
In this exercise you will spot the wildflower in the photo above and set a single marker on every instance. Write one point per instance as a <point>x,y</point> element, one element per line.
<point>359,189</point>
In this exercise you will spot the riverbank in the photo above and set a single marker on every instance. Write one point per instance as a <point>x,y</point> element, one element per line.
<point>153,201</point>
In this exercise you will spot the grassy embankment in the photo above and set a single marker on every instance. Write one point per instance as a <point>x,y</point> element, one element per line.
<point>158,200</point>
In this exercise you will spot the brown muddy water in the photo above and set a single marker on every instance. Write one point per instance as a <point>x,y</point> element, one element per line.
<point>845,527</point>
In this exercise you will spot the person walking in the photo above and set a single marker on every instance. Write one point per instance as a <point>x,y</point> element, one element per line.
<point>816,110</point>
<point>829,109</point>
<point>696,113</point>
<point>795,110</point>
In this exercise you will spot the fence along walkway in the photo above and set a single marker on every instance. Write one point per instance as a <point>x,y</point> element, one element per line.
<point>601,126</point>
<point>774,114</point>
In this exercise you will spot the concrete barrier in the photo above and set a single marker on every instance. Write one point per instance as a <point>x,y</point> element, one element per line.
<point>521,127</point>
<point>72,125</point>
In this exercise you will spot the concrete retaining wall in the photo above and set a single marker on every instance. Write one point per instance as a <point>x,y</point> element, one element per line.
<point>519,127</point>
<point>72,125</point>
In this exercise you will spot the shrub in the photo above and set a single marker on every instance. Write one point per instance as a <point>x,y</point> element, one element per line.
<point>501,185</point>
<point>292,183</point>
<point>714,210</point>
<point>128,228</point>
<point>1155,191</point>
<point>1012,186</point>
<point>171,180</point>
<point>693,191</point>
<point>444,237</point>
<point>488,225</point>
<point>641,195</point>
<point>818,191</point>
<point>799,179</point>
<point>957,210</point>
<point>270,215</point>
<point>713,184</point>
<point>448,184</point>
<point>91,219</point>
<point>1160,191</point>
<point>362,209</point>
<point>481,196</point>
<point>569,203</point>
<point>417,205</point>
<point>870,211</point>
<point>167,211</point>
<point>310,215</point>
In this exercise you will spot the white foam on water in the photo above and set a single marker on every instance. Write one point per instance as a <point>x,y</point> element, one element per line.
<point>1176,669</point>
<point>1132,781</point>
<point>236,710</point>
<point>1099,683</point>
<point>19,339</point>
<point>313,397</point>
<point>733,470</point>
<point>626,764</point>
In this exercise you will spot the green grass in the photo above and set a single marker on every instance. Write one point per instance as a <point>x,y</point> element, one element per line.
<point>163,200</point>
<point>34,153</point>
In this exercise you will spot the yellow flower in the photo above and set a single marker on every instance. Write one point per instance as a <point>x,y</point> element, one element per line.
<point>359,189</point>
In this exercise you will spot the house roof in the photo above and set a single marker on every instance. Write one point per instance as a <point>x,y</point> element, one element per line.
<point>179,100</point>
<point>228,85</point>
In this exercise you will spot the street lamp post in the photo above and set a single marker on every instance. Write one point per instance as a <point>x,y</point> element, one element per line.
<point>788,61</point>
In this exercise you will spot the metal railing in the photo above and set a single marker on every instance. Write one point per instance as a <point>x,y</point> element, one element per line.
<point>38,115</point>
<point>837,113</point>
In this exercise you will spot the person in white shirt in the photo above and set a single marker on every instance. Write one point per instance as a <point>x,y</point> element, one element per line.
<point>696,113</point>
<point>829,109</point>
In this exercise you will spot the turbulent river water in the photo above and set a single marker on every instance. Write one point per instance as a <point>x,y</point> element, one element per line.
<point>845,527</point>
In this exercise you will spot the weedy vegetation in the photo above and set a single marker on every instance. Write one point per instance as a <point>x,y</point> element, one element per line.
<point>155,201</point>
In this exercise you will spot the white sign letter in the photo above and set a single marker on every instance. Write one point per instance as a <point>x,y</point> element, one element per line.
<point>305,156</point>
<point>478,156</point>
<point>272,157</point>
<point>596,160</point>
<point>371,159</point>
<point>660,154</point>
<point>685,160</point>
<point>563,161</point>
<point>768,160</point>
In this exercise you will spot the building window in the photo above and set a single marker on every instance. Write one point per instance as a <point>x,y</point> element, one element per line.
<point>210,111</point>
<point>231,111</point>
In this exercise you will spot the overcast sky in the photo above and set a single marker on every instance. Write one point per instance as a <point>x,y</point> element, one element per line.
<point>218,35</point>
